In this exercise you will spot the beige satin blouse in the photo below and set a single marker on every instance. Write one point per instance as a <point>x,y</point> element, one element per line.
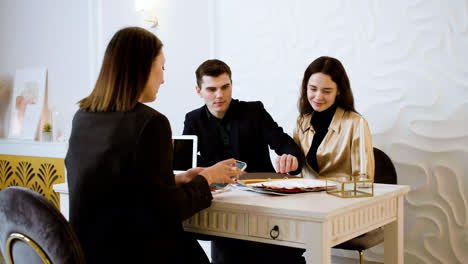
<point>338,154</point>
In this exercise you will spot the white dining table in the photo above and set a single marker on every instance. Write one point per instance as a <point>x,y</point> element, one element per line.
<point>315,221</point>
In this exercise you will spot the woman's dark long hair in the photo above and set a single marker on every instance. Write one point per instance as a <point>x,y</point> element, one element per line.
<point>333,68</point>
<point>125,70</point>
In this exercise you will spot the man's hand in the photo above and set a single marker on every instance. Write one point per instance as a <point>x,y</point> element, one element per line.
<point>286,163</point>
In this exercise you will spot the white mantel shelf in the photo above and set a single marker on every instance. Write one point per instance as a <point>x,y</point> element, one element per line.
<point>33,148</point>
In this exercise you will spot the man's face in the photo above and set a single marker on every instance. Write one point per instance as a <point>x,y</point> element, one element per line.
<point>216,92</point>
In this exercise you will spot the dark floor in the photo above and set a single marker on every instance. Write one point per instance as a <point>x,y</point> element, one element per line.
<point>335,259</point>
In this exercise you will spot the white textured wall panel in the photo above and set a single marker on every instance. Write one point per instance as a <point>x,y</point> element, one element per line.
<point>408,67</point>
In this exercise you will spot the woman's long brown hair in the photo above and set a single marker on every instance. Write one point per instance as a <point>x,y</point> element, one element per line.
<point>333,68</point>
<point>124,72</point>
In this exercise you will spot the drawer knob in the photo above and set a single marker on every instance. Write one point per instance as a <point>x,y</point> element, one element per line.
<point>274,232</point>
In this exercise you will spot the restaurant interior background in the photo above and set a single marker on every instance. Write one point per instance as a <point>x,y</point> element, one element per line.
<point>407,63</point>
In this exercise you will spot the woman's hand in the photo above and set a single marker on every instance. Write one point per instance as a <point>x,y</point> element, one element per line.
<point>222,172</point>
<point>183,178</point>
<point>286,163</point>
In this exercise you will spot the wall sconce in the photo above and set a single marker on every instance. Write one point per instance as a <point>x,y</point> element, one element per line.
<point>148,10</point>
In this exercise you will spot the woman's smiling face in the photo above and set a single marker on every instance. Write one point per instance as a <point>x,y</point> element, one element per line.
<point>321,91</point>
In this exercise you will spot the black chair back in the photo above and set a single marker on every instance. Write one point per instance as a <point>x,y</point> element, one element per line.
<point>384,173</point>
<point>384,170</point>
<point>32,230</point>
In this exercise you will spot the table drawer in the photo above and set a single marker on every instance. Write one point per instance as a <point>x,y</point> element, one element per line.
<point>213,220</point>
<point>276,228</point>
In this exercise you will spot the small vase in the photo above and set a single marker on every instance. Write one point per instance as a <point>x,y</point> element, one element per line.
<point>47,136</point>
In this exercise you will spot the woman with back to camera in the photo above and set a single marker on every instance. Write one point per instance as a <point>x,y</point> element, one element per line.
<point>126,205</point>
<point>328,126</point>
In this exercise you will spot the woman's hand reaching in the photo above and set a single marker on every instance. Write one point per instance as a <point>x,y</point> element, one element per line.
<point>222,172</point>
<point>185,177</point>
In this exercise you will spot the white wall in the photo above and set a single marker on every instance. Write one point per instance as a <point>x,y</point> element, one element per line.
<point>46,33</point>
<point>184,29</point>
<point>70,37</point>
<point>406,61</point>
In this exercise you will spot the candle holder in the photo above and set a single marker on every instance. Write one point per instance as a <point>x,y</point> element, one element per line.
<point>350,187</point>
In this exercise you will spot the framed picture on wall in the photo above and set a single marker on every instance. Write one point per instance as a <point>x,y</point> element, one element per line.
<point>27,102</point>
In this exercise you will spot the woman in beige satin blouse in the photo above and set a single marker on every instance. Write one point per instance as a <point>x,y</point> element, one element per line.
<point>328,128</point>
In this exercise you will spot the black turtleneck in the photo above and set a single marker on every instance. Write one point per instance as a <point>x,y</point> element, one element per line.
<point>320,122</point>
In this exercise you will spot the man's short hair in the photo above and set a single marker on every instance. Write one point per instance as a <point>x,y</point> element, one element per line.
<point>213,68</point>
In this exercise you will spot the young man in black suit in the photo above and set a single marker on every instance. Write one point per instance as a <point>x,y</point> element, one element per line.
<point>229,128</point>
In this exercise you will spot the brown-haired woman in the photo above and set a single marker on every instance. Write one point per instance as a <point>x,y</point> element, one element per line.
<point>126,205</point>
<point>328,129</point>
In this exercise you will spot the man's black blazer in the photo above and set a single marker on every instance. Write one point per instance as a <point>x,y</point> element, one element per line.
<point>252,131</point>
